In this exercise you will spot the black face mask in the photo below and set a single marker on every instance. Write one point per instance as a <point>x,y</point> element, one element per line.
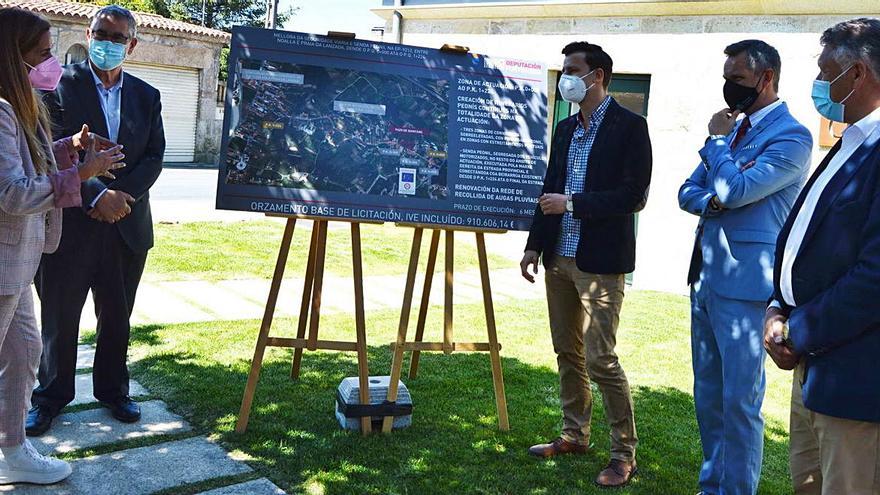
<point>740,97</point>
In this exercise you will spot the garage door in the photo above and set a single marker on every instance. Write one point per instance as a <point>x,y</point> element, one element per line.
<point>180,106</point>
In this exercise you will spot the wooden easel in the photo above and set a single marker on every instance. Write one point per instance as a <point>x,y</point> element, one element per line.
<point>448,345</point>
<point>310,314</point>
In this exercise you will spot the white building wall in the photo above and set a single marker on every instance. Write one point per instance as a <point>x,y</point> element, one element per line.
<point>684,57</point>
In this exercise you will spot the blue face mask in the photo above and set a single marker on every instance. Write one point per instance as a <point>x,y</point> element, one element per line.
<point>106,55</point>
<point>828,108</point>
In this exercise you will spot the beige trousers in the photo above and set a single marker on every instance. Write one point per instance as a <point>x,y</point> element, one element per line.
<point>831,456</point>
<point>20,348</point>
<point>584,312</point>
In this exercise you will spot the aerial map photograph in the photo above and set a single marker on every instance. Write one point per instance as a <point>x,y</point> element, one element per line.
<point>326,129</point>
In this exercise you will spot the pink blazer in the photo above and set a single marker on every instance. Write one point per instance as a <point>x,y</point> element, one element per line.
<point>30,204</point>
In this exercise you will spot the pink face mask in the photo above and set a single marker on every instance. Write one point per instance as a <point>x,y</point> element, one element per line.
<point>45,75</point>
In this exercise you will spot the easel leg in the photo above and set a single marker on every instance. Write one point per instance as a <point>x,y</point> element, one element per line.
<point>397,352</point>
<point>315,314</point>
<point>494,354</point>
<point>363,367</point>
<point>257,363</point>
<point>308,283</point>
<point>426,301</point>
<point>447,296</point>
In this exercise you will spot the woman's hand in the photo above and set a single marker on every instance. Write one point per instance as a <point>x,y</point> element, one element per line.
<point>100,163</point>
<point>83,139</point>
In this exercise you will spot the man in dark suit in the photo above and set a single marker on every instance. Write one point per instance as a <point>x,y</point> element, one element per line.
<point>824,317</point>
<point>584,228</point>
<point>104,245</point>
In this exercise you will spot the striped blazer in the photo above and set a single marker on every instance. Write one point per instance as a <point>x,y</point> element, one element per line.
<point>30,204</point>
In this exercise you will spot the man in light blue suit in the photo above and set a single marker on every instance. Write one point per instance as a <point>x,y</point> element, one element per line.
<point>751,172</point>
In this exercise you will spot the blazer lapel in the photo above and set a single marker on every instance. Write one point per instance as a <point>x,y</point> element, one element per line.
<point>126,104</point>
<point>752,133</point>
<point>840,180</point>
<point>566,133</point>
<point>88,92</point>
<point>782,239</point>
<point>605,129</point>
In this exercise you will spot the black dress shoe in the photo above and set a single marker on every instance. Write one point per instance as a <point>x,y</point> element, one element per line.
<point>124,409</point>
<point>39,420</point>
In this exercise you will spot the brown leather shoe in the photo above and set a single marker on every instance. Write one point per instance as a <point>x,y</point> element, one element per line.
<point>557,447</point>
<point>617,473</point>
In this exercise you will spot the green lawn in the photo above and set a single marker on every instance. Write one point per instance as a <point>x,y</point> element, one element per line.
<point>224,251</point>
<point>453,446</point>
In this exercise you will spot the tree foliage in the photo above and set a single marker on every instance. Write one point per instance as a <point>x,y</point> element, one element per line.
<point>159,7</point>
<point>218,14</point>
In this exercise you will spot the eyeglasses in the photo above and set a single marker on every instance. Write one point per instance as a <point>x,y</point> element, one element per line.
<point>101,35</point>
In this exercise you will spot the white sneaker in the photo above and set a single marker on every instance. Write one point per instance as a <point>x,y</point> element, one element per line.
<point>26,465</point>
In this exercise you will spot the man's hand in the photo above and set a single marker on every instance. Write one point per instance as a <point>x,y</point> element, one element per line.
<point>83,139</point>
<point>721,124</point>
<point>112,207</point>
<point>775,340</point>
<point>552,203</point>
<point>100,163</point>
<point>529,258</point>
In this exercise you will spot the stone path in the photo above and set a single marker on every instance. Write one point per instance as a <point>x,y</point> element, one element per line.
<point>84,390</point>
<point>162,464</point>
<point>196,301</point>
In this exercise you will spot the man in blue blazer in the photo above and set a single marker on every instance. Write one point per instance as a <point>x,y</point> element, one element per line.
<point>824,319</point>
<point>750,174</point>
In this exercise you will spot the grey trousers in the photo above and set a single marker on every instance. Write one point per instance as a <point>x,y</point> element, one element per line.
<point>20,349</point>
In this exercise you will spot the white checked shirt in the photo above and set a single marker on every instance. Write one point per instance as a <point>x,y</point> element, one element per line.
<point>853,137</point>
<point>578,156</point>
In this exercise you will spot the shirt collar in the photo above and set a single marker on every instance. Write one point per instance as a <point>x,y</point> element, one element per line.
<point>598,114</point>
<point>764,112</point>
<point>100,85</point>
<point>866,126</point>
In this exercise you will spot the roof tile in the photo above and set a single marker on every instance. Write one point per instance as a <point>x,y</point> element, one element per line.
<point>86,11</point>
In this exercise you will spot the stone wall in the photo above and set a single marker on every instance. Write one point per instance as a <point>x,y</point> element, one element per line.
<point>178,49</point>
<point>627,25</point>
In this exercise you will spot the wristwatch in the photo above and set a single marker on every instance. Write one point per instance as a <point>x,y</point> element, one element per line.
<point>569,204</point>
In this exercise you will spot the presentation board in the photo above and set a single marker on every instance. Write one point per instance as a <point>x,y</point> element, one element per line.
<point>371,131</point>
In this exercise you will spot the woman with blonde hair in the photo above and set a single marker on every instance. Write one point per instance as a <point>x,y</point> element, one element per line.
<point>37,179</point>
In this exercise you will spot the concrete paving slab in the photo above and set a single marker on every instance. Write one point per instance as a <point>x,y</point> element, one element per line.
<point>143,470</point>
<point>74,431</point>
<point>84,390</point>
<point>196,301</point>
<point>85,357</point>
<point>261,486</point>
<point>255,291</point>
<point>215,299</point>
<point>156,304</point>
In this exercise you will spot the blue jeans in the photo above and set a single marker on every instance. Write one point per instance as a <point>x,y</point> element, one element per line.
<point>729,381</point>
